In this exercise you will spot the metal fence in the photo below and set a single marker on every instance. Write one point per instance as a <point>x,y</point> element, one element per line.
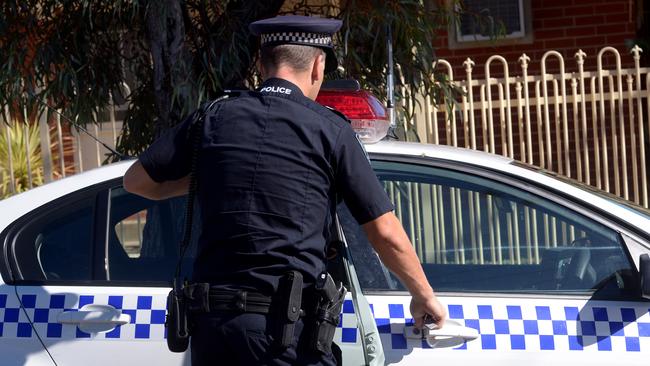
<point>586,125</point>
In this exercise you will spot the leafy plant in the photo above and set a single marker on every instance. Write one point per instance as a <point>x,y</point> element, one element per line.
<point>24,157</point>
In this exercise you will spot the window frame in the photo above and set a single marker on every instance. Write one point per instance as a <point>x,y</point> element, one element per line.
<point>12,249</point>
<point>13,270</point>
<point>585,209</point>
<point>458,41</point>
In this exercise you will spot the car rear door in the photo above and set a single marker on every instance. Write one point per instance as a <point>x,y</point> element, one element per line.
<point>17,346</point>
<point>527,277</point>
<point>93,272</point>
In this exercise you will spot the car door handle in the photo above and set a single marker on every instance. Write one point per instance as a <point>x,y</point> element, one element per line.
<point>94,318</point>
<point>451,329</point>
<point>451,334</point>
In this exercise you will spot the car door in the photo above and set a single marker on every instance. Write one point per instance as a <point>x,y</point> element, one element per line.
<point>528,277</point>
<point>93,273</point>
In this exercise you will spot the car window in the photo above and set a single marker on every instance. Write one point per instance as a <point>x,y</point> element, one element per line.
<point>144,237</point>
<point>64,242</point>
<point>56,243</point>
<point>476,234</point>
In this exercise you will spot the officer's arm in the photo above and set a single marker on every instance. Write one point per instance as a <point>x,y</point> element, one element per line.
<point>138,181</point>
<point>395,250</point>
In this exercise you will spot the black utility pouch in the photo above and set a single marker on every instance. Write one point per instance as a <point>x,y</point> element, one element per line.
<point>178,333</point>
<point>290,290</point>
<point>327,316</point>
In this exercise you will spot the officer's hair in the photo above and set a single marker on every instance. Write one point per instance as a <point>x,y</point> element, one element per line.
<point>298,57</point>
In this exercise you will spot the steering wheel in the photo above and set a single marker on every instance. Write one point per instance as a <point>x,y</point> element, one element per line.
<point>579,273</point>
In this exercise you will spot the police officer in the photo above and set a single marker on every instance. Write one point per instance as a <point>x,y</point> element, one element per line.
<point>272,164</point>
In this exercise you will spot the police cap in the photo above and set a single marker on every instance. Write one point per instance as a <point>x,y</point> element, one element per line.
<point>301,30</point>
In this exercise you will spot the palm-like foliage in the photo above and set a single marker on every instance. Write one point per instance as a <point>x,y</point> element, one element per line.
<point>22,151</point>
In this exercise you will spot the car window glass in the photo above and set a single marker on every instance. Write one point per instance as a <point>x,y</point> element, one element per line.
<point>64,245</point>
<point>56,244</point>
<point>144,237</point>
<point>129,233</point>
<point>475,234</point>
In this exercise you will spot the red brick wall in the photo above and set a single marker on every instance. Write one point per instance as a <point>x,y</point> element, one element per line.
<point>561,25</point>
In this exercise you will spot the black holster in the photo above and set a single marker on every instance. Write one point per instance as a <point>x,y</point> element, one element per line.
<point>326,317</point>
<point>178,330</point>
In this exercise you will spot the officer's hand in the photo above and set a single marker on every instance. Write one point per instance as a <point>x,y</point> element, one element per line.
<point>429,307</point>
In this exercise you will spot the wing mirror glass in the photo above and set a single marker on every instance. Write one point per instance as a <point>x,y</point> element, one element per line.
<point>644,271</point>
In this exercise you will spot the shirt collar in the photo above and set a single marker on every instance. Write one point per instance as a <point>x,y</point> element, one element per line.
<point>279,86</point>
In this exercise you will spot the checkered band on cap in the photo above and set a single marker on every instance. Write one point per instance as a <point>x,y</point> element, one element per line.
<point>297,37</point>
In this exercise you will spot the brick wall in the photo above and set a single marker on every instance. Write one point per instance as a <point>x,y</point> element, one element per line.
<point>561,25</point>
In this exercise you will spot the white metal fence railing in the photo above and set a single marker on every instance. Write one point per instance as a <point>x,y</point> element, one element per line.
<point>588,125</point>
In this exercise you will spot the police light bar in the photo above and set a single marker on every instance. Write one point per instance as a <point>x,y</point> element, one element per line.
<point>368,115</point>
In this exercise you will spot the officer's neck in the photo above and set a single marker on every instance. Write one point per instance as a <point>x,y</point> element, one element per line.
<point>303,80</point>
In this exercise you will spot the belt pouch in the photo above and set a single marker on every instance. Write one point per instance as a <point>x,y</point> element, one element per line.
<point>290,291</point>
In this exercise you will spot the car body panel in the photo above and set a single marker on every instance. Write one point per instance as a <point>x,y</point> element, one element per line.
<point>538,329</point>
<point>142,340</point>
<point>512,329</point>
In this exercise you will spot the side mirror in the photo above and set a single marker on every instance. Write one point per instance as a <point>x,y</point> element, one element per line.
<point>644,271</point>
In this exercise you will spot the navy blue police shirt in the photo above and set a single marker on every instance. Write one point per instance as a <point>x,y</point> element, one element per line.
<point>271,164</point>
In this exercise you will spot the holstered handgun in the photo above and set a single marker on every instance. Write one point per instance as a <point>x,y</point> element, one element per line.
<point>327,315</point>
<point>178,334</point>
<point>290,289</point>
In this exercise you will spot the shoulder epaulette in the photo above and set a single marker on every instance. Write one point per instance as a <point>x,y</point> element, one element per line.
<point>229,93</point>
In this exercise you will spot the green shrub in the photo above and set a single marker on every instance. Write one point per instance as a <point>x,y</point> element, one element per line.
<point>20,136</point>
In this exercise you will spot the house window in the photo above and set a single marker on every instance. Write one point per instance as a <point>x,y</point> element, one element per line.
<point>484,18</point>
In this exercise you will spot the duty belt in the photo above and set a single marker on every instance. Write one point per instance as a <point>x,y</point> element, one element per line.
<point>242,301</point>
<point>202,298</point>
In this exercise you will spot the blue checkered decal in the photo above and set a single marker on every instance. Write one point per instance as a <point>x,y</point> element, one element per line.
<point>147,316</point>
<point>599,327</point>
<point>524,326</point>
<point>347,324</point>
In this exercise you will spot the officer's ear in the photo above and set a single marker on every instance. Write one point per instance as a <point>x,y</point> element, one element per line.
<point>318,68</point>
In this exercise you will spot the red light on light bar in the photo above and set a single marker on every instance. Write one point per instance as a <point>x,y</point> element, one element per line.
<point>368,116</point>
<point>354,104</point>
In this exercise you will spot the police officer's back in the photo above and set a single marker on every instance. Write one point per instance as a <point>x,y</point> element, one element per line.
<point>272,164</point>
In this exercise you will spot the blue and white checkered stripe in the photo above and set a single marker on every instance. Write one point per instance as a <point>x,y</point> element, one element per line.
<point>503,325</point>
<point>524,325</point>
<point>347,330</point>
<point>147,316</point>
<point>297,37</point>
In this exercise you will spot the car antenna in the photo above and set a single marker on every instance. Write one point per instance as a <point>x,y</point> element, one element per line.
<point>390,83</point>
<point>83,129</point>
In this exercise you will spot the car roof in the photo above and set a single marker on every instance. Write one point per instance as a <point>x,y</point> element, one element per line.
<point>443,152</point>
<point>22,203</point>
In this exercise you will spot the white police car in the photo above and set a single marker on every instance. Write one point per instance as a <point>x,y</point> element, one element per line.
<point>534,269</point>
